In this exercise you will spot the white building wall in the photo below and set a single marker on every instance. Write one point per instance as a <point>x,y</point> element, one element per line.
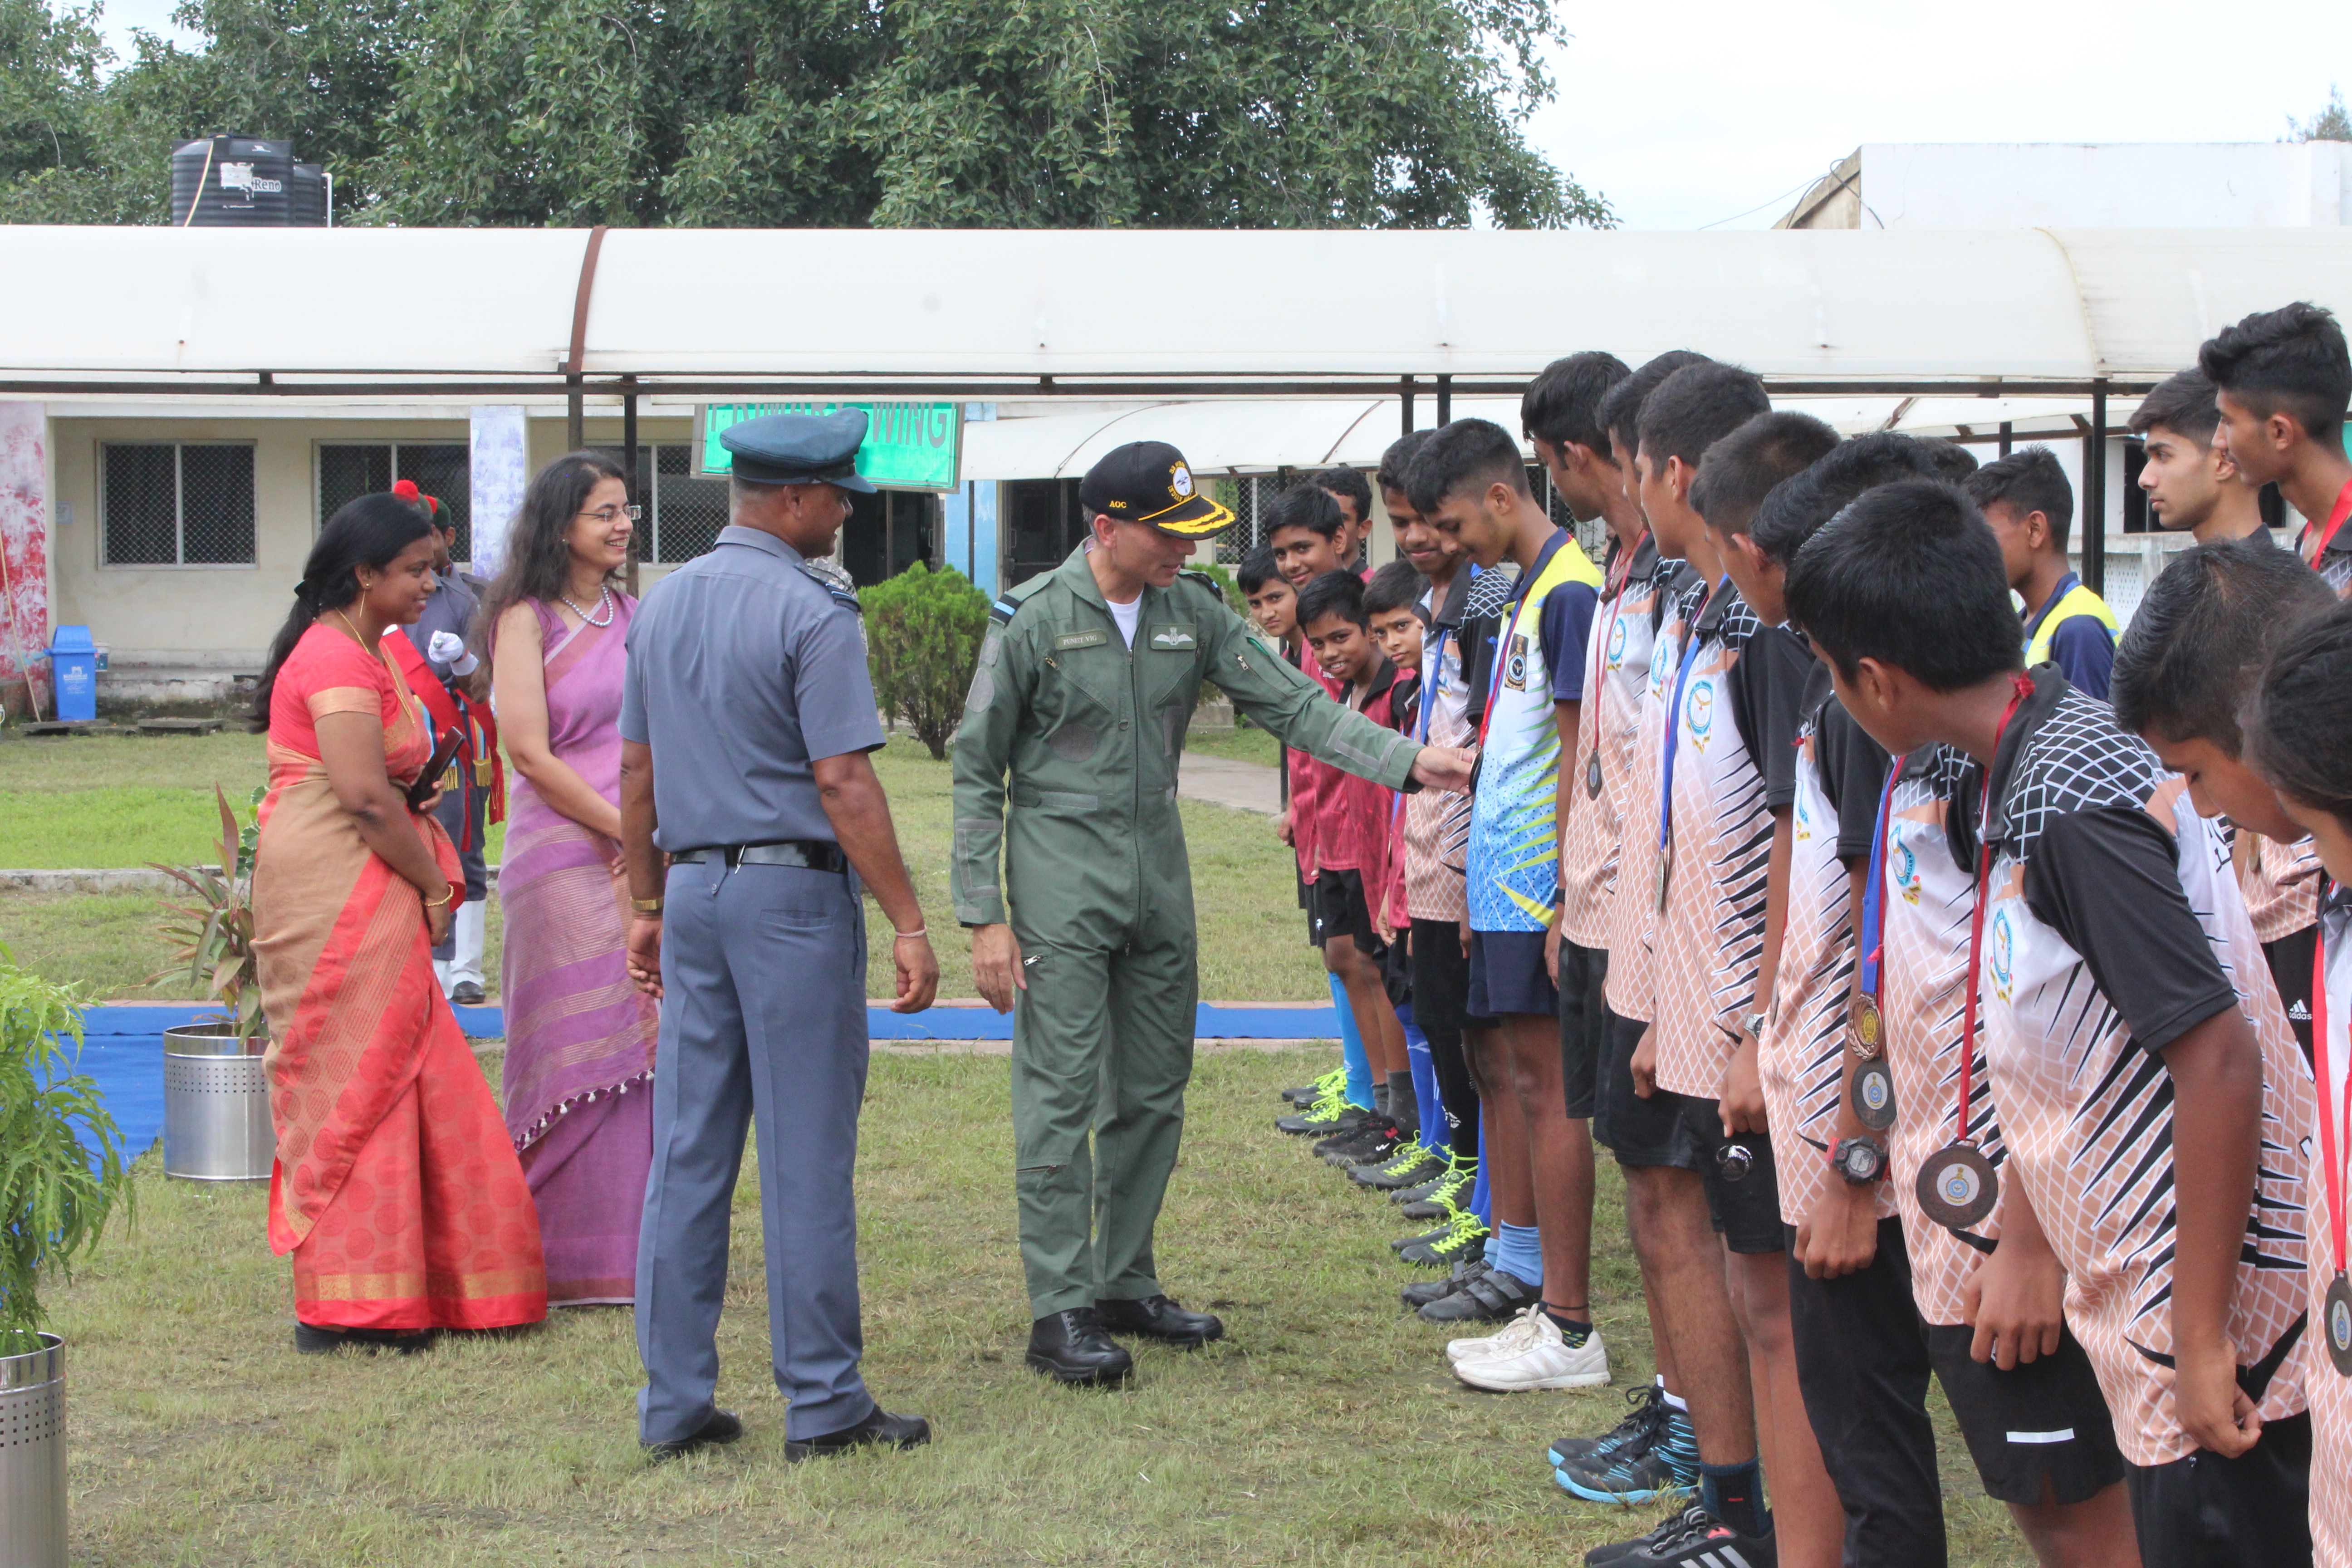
<point>2250,185</point>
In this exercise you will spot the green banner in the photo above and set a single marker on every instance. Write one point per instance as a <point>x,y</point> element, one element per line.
<point>909,446</point>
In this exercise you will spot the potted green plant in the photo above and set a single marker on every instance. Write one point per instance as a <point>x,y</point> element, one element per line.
<point>55,1191</point>
<point>215,1079</point>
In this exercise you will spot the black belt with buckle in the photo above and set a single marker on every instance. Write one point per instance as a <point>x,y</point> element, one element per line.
<point>808,854</point>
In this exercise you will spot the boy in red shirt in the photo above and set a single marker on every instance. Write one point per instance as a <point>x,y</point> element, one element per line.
<point>2282,382</point>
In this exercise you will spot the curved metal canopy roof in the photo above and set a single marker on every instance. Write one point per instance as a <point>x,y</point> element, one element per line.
<point>1127,313</point>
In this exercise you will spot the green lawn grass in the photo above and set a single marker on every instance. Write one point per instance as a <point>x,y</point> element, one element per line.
<point>1325,1429</point>
<point>107,801</point>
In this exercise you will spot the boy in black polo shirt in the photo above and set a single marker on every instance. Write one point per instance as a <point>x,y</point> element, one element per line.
<point>2150,1093</point>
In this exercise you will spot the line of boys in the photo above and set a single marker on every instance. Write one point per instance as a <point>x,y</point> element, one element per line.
<point>1815,927</point>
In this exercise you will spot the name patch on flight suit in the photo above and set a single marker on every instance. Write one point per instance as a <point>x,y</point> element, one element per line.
<point>1179,637</point>
<point>1080,640</point>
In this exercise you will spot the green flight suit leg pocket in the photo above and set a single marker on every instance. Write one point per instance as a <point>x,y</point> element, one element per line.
<point>1061,1032</point>
<point>1154,989</point>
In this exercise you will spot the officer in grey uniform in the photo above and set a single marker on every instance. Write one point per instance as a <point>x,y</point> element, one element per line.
<point>1087,681</point>
<point>746,720</point>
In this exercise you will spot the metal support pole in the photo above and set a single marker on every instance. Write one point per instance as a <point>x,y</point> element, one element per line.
<point>2005,443</point>
<point>639,541</point>
<point>575,416</point>
<point>1445,400</point>
<point>2094,492</point>
<point>1405,396</point>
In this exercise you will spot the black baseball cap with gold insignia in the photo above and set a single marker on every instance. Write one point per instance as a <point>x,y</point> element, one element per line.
<point>1148,481</point>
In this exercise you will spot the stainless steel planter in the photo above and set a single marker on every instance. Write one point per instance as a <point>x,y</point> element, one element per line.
<point>33,1458</point>
<point>215,1108</point>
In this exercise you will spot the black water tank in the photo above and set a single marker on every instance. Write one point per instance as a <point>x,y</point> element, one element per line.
<point>240,182</point>
<point>308,207</point>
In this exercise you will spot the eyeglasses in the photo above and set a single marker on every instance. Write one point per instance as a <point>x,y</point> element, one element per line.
<point>608,515</point>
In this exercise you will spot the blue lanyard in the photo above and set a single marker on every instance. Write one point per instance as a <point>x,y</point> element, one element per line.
<point>1433,660</point>
<point>1674,721</point>
<point>1873,891</point>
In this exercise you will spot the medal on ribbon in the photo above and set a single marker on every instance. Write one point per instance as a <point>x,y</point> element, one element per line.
<point>1870,1090</point>
<point>2336,1310</point>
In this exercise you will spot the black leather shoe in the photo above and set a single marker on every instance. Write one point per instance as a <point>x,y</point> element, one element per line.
<point>723,1427</point>
<point>880,1429</point>
<point>467,995</point>
<point>1158,1318</point>
<point>1071,1347</point>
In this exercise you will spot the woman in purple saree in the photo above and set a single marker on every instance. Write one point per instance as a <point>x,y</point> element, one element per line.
<point>580,1037</point>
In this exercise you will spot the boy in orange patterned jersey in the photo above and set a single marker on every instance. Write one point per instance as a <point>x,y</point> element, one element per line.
<point>2149,1091</point>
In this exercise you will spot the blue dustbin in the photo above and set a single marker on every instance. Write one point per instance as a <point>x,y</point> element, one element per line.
<point>73,669</point>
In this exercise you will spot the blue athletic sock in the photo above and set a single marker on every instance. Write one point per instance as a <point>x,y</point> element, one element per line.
<point>1481,1206</point>
<point>1351,1048</point>
<point>1518,1250</point>
<point>1735,1494</point>
<point>1434,1132</point>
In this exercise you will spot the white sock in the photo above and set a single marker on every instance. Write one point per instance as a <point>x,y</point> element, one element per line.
<point>1674,1400</point>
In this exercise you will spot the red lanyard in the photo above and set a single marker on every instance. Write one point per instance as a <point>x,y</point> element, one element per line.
<point>1601,637</point>
<point>2332,1108</point>
<point>2327,534</point>
<point>2024,689</point>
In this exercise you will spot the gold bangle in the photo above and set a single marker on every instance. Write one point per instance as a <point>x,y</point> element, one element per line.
<point>922,931</point>
<point>448,891</point>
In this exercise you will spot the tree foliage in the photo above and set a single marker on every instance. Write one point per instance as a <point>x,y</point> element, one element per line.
<point>932,113</point>
<point>922,642</point>
<point>2330,124</point>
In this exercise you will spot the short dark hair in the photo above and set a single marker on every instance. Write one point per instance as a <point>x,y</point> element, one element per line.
<point>1620,411</point>
<point>2203,631</point>
<point>1466,452</point>
<point>1396,463</point>
<point>1257,570</point>
<point>1563,402</point>
<point>2182,404</point>
<point>2026,481</point>
<point>1303,506</point>
<point>1952,460</point>
<point>1349,484</point>
<point>1908,574</point>
<point>1793,509</point>
<point>1697,406</point>
<point>1396,587</point>
<point>2291,359</point>
<point>2298,725</point>
<point>1740,470</point>
<point>1339,594</point>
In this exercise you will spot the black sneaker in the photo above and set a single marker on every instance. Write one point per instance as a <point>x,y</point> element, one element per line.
<point>1420,1293</point>
<point>1629,1438</point>
<point>1701,1541</point>
<point>1407,1167</point>
<point>1463,1238</point>
<point>1674,1524</point>
<point>1420,1190</point>
<point>1326,1116</point>
<point>1375,1138</point>
<point>1667,1467</point>
<point>1494,1296</point>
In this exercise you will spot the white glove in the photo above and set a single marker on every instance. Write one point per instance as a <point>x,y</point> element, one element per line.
<point>450,649</point>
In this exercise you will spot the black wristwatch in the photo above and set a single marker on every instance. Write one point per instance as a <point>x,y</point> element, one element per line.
<point>1861,1160</point>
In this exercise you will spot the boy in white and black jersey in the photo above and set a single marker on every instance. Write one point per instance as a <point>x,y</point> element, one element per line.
<point>2150,1097</point>
<point>2187,664</point>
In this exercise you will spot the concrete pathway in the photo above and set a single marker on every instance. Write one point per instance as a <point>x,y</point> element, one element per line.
<point>1222,781</point>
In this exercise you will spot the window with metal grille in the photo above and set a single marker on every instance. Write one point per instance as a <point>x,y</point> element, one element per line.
<point>442,469</point>
<point>1246,496</point>
<point>173,504</point>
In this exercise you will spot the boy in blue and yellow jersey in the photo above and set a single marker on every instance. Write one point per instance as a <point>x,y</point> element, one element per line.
<point>2027,500</point>
<point>1470,480</point>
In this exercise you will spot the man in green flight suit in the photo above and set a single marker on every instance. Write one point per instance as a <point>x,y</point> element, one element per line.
<point>1087,679</point>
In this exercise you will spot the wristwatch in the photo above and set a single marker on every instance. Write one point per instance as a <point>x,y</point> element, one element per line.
<point>647,906</point>
<point>1861,1160</point>
<point>1754,1025</point>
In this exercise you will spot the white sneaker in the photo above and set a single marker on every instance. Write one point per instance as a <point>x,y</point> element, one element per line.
<point>1517,1335</point>
<point>1549,1363</point>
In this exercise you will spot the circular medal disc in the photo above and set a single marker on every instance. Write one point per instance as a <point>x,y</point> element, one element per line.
<point>2338,1326</point>
<point>1592,775</point>
<point>1958,1187</point>
<point>1866,1027</point>
<point>1870,1090</point>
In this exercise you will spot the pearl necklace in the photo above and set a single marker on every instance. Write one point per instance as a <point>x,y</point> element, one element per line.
<point>603,608</point>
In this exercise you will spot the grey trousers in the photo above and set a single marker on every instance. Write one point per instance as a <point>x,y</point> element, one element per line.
<point>762,1019</point>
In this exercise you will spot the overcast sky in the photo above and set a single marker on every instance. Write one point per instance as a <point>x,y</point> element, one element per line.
<point>1686,114</point>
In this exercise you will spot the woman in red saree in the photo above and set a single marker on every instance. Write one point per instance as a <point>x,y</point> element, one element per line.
<point>395,1189</point>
